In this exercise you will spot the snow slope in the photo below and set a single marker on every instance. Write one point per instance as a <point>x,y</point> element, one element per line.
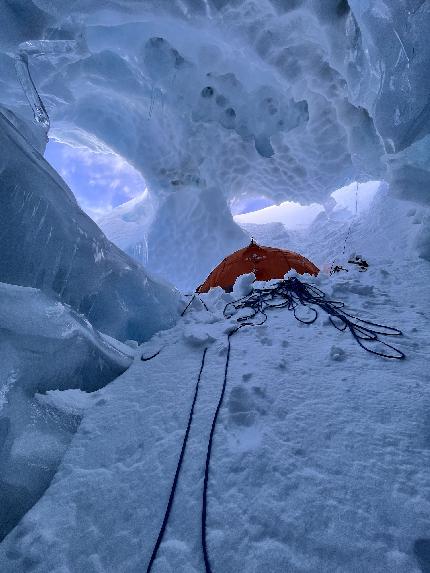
<point>387,230</point>
<point>127,225</point>
<point>321,454</point>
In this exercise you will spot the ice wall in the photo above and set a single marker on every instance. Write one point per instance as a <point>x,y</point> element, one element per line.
<point>44,347</point>
<point>181,239</point>
<point>49,243</point>
<point>286,98</point>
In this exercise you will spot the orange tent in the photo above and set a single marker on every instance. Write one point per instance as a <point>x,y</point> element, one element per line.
<point>265,262</point>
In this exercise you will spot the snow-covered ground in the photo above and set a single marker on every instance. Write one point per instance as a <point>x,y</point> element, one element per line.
<point>321,455</point>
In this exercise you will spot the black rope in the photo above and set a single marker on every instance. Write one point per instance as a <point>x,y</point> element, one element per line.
<point>291,294</point>
<point>144,359</point>
<point>178,469</point>
<point>294,294</point>
<point>195,295</point>
<point>348,234</point>
<point>208,458</point>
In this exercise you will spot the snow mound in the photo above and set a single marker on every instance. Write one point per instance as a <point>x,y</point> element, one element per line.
<point>243,285</point>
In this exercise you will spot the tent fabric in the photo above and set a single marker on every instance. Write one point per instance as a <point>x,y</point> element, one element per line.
<point>265,262</point>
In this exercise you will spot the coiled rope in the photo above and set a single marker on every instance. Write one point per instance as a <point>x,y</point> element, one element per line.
<point>293,294</point>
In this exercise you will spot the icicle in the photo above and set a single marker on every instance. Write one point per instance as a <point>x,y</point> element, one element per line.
<point>37,48</point>
<point>22,71</point>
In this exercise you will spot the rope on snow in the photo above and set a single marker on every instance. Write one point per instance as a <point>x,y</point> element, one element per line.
<point>293,294</point>
<point>208,457</point>
<point>178,469</point>
<point>195,295</point>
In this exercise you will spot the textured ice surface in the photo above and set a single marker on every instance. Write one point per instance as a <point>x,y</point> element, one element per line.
<point>44,346</point>
<point>49,243</point>
<point>54,49</point>
<point>181,239</point>
<point>321,457</point>
<point>290,99</point>
<point>128,225</point>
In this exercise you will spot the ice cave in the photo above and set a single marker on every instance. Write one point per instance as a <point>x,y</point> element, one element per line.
<point>278,421</point>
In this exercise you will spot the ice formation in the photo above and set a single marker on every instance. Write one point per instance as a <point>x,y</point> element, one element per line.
<point>180,239</point>
<point>44,346</point>
<point>289,99</point>
<point>49,243</point>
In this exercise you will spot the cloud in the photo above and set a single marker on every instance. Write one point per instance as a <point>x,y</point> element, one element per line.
<point>291,214</point>
<point>100,181</point>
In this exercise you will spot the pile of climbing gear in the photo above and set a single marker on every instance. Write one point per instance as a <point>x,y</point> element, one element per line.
<point>338,269</point>
<point>359,262</point>
<point>354,259</point>
<point>295,295</point>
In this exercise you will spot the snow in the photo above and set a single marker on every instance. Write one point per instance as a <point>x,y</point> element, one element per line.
<point>353,199</point>
<point>243,285</point>
<point>72,402</point>
<point>167,238</point>
<point>388,231</point>
<point>292,215</point>
<point>321,451</point>
<point>127,225</point>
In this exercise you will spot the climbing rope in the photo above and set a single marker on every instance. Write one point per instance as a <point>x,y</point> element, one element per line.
<point>291,294</point>
<point>147,358</point>
<point>334,268</point>
<point>194,296</point>
<point>178,469</point>
<point>208,456</point>
<point>294,294</point>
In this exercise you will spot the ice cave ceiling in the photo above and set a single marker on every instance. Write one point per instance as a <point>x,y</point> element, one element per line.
<point>291,97</point>
<point>216,99</point>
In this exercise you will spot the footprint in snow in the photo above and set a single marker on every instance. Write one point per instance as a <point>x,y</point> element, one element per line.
<point>244,410</point>
<point>337,354</point>
<point>241,407</point>
<point>422,553</point>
